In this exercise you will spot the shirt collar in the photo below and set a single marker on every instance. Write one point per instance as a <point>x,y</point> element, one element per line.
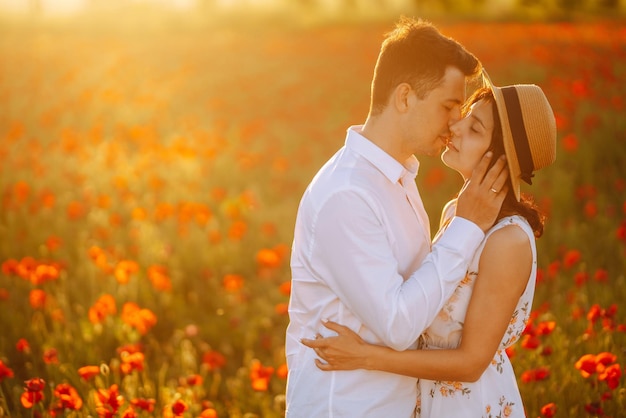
<point>384,162</point>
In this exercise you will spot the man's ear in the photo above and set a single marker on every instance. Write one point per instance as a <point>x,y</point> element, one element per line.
<point>401,97</point>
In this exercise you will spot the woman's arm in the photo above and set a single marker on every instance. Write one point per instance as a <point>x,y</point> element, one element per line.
<point>504,268</point>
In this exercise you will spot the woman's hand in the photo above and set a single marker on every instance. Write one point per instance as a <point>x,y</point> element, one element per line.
<point>346,351</point>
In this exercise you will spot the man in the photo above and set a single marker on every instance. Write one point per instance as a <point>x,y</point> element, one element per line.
<point>362,250</point>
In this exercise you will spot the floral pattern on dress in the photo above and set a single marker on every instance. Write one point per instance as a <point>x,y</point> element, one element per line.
<point>495,394</point>
<point>451,389</point>
<point>505,411</point>
<point>516,326</point>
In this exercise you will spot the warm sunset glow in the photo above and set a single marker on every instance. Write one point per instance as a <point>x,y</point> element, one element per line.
<point>66,7</point>
<point>154,152</point>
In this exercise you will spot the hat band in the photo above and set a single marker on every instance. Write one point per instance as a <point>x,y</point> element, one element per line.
<point>518,130</point>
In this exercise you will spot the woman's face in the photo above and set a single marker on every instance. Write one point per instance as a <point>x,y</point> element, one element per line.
<point>471,137</point>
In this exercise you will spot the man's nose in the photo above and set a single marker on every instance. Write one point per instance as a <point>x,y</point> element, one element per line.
<point>454,127</point>
<point>455,115</point>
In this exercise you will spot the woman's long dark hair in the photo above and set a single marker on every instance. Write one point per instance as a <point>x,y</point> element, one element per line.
<point>526,207</point>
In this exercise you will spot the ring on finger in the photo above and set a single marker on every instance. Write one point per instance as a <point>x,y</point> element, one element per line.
<point>493,190</point>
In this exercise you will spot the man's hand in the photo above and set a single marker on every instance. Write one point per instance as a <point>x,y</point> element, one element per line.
<point>482,195</point>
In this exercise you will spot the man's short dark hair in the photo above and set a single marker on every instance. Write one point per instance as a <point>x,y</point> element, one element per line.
<point>415,52</point>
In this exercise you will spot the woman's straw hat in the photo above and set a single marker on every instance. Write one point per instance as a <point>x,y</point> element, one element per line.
<point>528,129</point>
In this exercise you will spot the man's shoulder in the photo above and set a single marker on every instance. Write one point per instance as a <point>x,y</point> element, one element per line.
<point>345,172</point>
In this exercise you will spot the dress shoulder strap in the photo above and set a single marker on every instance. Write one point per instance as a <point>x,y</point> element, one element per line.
<point>513,220</point>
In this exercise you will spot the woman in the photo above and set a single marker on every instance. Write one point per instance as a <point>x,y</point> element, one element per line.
<point>463,369</point>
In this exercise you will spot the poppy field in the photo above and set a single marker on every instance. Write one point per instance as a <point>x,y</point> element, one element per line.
<point>149,182</point>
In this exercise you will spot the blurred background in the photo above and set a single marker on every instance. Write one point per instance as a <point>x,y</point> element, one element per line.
<point>324,9</point>
<point>153,154</point>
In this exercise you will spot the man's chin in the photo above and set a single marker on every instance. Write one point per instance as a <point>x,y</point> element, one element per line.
<point>436,152</point>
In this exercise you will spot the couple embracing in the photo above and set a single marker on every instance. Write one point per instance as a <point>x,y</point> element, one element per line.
<point>384,321</point>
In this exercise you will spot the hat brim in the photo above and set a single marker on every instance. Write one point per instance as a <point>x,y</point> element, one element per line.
<point>507,136</point>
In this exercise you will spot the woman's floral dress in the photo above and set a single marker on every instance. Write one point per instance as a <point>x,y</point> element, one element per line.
<point>496,393</point>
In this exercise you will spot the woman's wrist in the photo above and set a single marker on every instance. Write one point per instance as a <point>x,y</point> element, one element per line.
<point>370,356</point>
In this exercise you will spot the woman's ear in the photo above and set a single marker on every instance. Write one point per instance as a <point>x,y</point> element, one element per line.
<point>402,97</point>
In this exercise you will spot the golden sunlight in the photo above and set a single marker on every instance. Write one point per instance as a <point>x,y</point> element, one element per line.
<point>55,7</point>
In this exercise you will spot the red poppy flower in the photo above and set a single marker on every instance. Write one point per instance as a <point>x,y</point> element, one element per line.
<point>570,143</point>
<point>611,375</point>
<point>606,358</point>
<point>268,258</point>
<point>232,282</point>
<point>103,307</point>
<point>22,346</point>
<point>594,313</point>
<point>621,232</point>
<point>21,190</point>
<point>179,407</point>
<point>208,413</point>
<point>33,392</point>
<point>140,319</point>
<point>124,270</point>
<point>75,210</point>
<point>53,243</point>
<point>5,371</point>
<point>281,308</point>
<point>542,373</point>
<point>282,371</point>
<point>571,258</point>
<point>510,352</point>
<point>586,365</point>
<point>527,376</point>
<point>145,404</point>
<point>51,356</point>
<point>43,273</point>
<point>66,398</point>
<point>132,362</point>
<point>260,375</point>
<point>237,230</point>
<point>530,342</point>
<point>88,372</point>
<point>213,360</point>
<point>435,177</point>
<point>545,327</point>
<point>9,267</point>
<point>549,410</point>
<point>553,269</point>
<point>108,401</point>
<point>37,298</point>
<point>285,288</point>
<point>601,275</point>
<point>590,209</point>
<point>129,413</point>
<point>580,278</point>
<point>159,278</point>
<point>194,380</point>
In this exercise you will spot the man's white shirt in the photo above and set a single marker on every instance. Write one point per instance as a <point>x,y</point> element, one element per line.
<point>362,257</point>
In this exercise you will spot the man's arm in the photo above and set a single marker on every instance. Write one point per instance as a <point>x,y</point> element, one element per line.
<point>505,267</point>
<point>353,256</point>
